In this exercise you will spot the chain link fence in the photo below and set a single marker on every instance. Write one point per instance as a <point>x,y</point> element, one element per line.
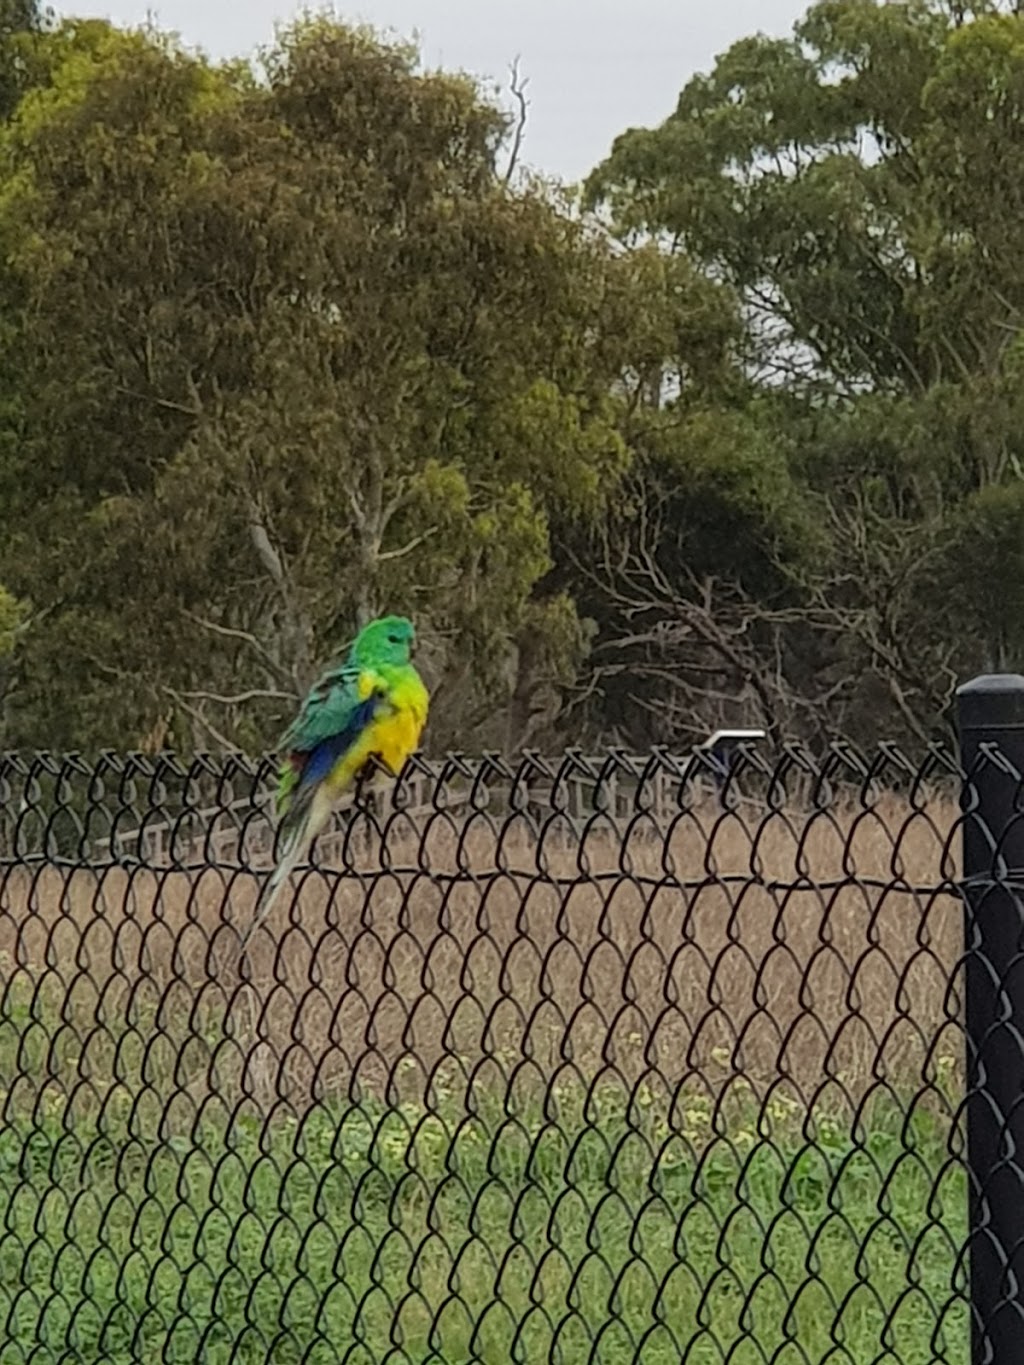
<point>612,1059</point>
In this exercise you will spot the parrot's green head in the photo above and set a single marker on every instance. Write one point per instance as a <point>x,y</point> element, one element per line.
<point>388,640</point>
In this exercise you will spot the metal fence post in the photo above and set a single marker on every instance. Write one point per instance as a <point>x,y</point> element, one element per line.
<point>990,713</point>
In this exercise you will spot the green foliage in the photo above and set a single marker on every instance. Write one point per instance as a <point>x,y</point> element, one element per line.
<point>988,531</point>
<point>22,22</point>
<point>859,183</point>
<point>12,615</point>
<point>736,506</point>
<point>291,353</point>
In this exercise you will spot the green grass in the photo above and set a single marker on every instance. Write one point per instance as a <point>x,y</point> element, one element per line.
<point>616,1234</point>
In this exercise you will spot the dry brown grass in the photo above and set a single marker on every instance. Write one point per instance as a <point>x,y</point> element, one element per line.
<point>812,951</point>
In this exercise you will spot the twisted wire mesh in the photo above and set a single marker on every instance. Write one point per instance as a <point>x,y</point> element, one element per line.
<point>606,1059</point>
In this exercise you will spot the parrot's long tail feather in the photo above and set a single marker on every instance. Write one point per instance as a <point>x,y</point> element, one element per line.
<point>301,826</point>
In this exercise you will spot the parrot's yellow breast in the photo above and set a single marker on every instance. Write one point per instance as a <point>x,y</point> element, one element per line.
<point>393,735</point>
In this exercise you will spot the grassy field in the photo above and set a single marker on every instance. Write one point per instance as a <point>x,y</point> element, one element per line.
<point>682,1094</point>
<point>378,1234</point>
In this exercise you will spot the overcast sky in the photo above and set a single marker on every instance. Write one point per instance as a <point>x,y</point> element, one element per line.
<point>596,67</point>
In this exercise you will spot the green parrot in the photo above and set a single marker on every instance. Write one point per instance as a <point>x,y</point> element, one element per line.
<point>372,705</point>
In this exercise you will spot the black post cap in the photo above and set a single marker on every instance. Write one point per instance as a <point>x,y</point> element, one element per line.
<point>993,701</point>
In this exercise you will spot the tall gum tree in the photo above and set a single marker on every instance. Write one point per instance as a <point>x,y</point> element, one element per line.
<point>291,351</point>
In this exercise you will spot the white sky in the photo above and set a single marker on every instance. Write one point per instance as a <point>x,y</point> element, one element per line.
<point>595,67</point>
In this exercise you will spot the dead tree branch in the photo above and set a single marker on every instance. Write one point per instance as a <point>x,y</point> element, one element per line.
<point>517,88</point>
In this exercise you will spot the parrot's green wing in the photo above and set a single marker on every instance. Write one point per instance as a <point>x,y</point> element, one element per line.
<point>336,710</point>
<point>327,708</point>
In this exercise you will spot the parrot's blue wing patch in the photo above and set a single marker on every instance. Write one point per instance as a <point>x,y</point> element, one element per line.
<point>324,755</point>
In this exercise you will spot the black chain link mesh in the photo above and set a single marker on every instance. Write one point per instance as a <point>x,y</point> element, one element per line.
<point>605,1060</point>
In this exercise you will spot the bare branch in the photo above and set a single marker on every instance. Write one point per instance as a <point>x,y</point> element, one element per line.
<point>189,409</point>
<point>240,698</point>
<point>200,719</point>
<point>517,88</point>
<point>268,556</point>
<point>394,504</point>
<point>277,670</point>
<point>706,652</point>
<point>231,632</point>
<point>408,548</point>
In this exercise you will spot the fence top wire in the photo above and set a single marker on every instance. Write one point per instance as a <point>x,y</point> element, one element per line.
<point>171,810</point>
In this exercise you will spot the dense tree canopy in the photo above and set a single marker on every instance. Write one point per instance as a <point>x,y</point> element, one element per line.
<point>859,187</point>
<point>284,344</point>
<point>291,351</point>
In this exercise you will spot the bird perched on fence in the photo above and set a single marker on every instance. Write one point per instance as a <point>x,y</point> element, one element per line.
<point>372,705</point>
